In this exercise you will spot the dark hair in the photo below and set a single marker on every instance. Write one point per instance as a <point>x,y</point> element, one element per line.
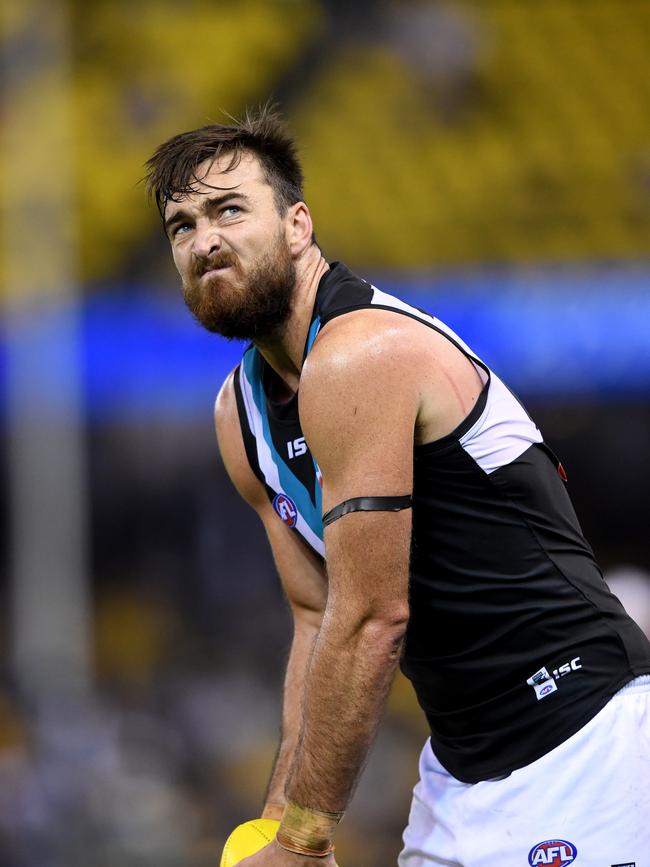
<point>171,171</point>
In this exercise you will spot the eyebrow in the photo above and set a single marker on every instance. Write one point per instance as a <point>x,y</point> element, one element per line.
<point>211,204</point>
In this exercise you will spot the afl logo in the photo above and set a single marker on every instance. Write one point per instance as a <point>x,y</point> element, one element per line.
<point>286,509</point>
<point>553,853</point>
<point>546,689</point>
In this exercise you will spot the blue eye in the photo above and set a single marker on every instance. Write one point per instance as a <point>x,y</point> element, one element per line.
<point>232,210</point>
<point>182,228</point>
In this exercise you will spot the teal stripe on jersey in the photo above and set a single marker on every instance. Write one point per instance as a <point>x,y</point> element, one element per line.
<point>291,485</point>
<point>314,328</point>
<point>313,331</point>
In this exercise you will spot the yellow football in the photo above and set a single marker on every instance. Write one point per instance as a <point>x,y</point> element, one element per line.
<point>247,839</point>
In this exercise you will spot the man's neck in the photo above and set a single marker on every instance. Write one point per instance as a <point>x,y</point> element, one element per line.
<point>284,352</point>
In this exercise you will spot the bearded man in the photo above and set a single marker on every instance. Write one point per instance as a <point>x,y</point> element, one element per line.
<point>416,516</point>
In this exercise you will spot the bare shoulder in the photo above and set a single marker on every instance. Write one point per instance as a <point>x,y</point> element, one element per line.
<point>225,405</point>
<point>395,363</point>
<point>359,402</point>
<point>231,445</point>
<point>226,421</point>
<point>355,348</point>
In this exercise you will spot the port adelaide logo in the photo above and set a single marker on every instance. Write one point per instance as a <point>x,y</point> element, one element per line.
<point>286,509</point>
<point>552,853</point>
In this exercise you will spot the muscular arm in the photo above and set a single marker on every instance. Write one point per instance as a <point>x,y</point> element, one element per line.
<point>303,580</point>
<point>359,406</point>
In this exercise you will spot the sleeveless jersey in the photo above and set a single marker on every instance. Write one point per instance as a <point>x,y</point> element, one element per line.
<point>514,641</point>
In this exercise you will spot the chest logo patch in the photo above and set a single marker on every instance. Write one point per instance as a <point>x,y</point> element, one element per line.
<point>286,509</point>
<point>555,853</point>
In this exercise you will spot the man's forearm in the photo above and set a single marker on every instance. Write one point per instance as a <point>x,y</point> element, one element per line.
<point>350,674</point>
<point>294,686</point>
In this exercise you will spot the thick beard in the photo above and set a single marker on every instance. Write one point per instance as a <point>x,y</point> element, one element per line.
<point>243,306</point>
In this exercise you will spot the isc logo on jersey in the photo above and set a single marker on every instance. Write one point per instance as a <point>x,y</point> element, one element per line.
<point>552,853</point>
<point>286,509</point>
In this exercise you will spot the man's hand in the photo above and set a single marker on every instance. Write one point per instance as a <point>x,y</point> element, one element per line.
<point>274,855</point>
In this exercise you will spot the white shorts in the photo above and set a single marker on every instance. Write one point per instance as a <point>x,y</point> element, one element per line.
<point>586,802</point>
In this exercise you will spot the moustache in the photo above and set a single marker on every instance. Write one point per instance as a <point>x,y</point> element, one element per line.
<point>202,264</point>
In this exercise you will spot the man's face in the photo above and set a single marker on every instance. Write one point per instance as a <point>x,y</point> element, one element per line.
<point>230,248</point>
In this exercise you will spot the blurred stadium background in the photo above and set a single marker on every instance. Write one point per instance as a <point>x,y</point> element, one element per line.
<point>487,159</point>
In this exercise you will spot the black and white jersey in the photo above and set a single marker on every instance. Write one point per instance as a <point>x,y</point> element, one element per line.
<point>514,641</point>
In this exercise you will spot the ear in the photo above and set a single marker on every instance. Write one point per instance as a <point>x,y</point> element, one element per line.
<point>299,228</point>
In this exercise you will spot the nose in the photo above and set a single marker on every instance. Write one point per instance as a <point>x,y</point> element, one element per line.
<point>207,240</point>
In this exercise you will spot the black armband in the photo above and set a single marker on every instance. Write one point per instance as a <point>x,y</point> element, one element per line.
<point>367,504</point>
